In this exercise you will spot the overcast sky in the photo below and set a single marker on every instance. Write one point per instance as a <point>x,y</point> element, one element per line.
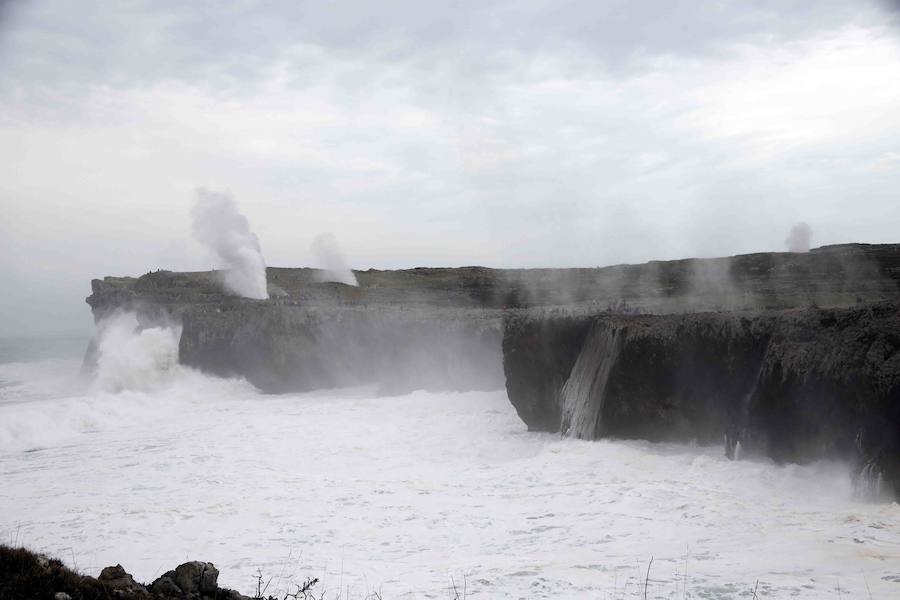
<point>509,133</point>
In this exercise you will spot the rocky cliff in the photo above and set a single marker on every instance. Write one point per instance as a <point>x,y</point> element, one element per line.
<point>312,335</point>
<point>442,328</point>
<point>794,385</point>
<point>792,356</point>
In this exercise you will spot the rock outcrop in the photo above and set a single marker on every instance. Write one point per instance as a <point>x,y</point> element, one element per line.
<point>441,329</point>
<point>116,579</point>
<point>25,574</point>
<point>793,356</point>
<point>189,579</point>
<point>795,385</point>
<point>313,335</point>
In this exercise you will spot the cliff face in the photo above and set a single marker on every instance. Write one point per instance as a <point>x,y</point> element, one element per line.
<point>803,365</point>
<point>290,348</point>
<point>792,385</point>
<point>313,335</point>
<point>442,328</point>
<point>829,276</point>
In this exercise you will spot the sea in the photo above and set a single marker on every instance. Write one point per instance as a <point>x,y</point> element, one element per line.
<point>147,463</point>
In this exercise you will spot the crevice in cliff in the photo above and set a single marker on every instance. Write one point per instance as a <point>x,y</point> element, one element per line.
<point>736,429</point>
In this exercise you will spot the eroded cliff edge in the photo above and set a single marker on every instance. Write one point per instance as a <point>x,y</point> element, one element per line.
<point>312,335</point>
<point>794,385</point>
<point>442,328</point>
<point>791,356</point>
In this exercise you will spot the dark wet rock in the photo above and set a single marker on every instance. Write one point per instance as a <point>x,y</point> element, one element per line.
<point>795,386</point>
<point>292,348</point>
<point>441,329</point>
<point>165,585</point>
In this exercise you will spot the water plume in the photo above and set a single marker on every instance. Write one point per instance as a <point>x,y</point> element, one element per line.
<point>219,225</point>
<point>130,358</point>
<point>330,260</point>
<point>583,394</point>
<point>799,238</point>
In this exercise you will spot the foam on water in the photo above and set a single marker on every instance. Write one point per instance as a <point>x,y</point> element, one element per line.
<point>132,359</point>
<point>138,381</point>
<point>404,493</point>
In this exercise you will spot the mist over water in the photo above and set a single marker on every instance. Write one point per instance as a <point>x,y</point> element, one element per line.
<point>219,226</point>
<point>401,493</point>
<point>34,348</point>
<point>50,402</point>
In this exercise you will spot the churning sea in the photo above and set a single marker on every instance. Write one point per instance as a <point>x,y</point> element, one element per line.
<point>423,495</point>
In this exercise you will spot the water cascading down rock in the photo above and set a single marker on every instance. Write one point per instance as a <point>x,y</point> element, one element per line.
<point>795,386</point>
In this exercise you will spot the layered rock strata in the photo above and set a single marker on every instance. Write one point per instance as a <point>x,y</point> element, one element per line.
<point>441,328</point>
<point>793,356</point>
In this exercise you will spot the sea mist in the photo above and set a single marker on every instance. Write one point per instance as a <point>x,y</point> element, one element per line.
<point>330,260</point>
<point>219,225</point>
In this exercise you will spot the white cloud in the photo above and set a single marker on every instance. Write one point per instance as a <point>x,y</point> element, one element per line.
<point>838,88</point>
<point>887,162</point>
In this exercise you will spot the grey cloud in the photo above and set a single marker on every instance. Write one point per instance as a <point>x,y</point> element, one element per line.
<point>502,133</point>
<point>229,45</point>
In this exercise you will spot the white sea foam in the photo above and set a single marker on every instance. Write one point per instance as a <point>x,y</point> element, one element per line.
<point>403,493</point>
<point>138,381</point>
<point>38,380</point>
<point>128,359</point>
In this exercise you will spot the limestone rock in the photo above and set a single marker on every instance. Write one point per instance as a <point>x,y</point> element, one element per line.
<point>197,577</point>
<point>117,578</point>
<point>165,585</point>
<point>440,329</point>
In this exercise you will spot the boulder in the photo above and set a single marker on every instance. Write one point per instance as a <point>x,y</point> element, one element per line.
<point>117,578</point>
<point>197,577</point>
<point>165,585</point>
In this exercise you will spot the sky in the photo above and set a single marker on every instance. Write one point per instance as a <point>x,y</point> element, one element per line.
<point>523,133</point>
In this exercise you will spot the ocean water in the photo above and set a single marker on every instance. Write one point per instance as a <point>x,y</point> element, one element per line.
<point>150,464</point>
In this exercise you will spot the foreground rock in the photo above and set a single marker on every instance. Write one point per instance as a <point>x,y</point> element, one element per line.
<point>441,329</point>
<point>24,574</point>
<point>795,386</point>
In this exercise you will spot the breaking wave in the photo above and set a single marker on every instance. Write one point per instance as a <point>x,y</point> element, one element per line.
<point>137,381</point>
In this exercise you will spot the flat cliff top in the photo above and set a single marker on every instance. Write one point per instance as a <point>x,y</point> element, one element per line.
<point>839,275</point>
